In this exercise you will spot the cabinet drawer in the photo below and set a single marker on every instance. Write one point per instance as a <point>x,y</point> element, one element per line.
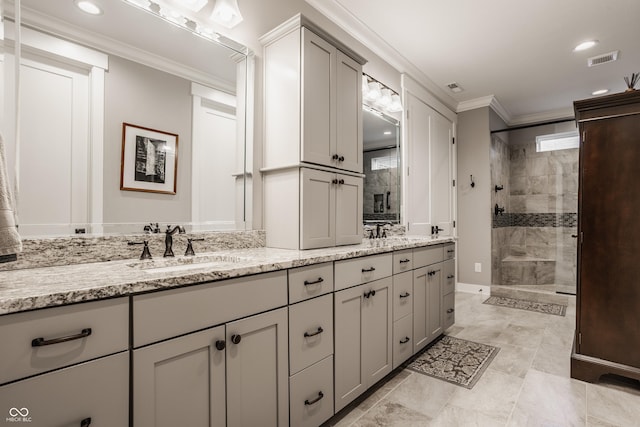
<point>450,251</point>
<point>402,294</point>
<point>449,310</point>
<point>427,255</point>
<point>311,401</point>
<point>100,328</point>
<point>448,277</point>
<point>402,261</point>
<point>402,340</point>
<point>355,271</point>
<point>98,390</point>
<point>166,314</point>
<point>310,332</point>
<point>311,281</point>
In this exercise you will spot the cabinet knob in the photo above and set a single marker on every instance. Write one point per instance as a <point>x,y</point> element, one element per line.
<point>316,400</point>
<point>236,338</point>
<point>221,344</point>
<point>86,422</point>
<point>335,157</point>
<point>369,294</point>
<point>334,181</point>
<point>405,295</point>
<point>341,181</point>
<point>341,159</point>
<point>449,311</point>
<point>405,340</point>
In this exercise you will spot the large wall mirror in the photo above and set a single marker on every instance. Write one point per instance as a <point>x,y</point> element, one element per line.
<point>381,146</point>
<point>81,77</point>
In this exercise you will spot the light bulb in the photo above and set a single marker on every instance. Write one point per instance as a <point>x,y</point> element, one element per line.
<point>396,104</point>
<point>374,91</point>
<point>385,98</point>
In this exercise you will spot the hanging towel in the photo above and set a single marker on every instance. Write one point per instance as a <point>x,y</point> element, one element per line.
<point>9,238</point>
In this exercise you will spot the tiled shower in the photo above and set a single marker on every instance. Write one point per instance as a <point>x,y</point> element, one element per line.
<point>533,243</point>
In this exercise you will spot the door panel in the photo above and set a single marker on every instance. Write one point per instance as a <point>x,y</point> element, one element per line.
<point>348,210</point>
<point>349,113</point>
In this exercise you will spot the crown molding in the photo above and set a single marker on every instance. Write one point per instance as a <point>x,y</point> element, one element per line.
<point>56,27</point>
<point>362,33</point>
<point>545,116</point>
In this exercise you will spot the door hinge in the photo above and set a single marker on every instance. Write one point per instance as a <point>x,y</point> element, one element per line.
<point>454,224</point>
<point>579,338</point>
<point>454,182</point>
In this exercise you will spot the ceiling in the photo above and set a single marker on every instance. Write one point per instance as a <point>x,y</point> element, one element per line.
<point>518,52</point>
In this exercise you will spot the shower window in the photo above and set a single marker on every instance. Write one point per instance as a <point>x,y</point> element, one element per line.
<point>557,141</point>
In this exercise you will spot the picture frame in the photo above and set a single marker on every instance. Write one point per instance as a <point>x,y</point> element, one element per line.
<point>149,160</point>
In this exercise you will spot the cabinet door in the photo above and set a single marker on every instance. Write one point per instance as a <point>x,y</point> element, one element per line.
<point>448,310</point>
<point>420,292</point>
<point>181,376</point>
<point>348,210</point>
<point>257,371</point>
<point>318,209</point>
<point>434,301</point>
<point>349,379</point>
<point>318,100</point>
<point>377,330</point>
<point>97,391</point>
<point>349,113</point>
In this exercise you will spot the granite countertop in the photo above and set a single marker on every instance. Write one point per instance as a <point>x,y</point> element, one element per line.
<point>33,288</point>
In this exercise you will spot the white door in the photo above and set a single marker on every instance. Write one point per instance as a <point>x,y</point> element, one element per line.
<point>430,169</point>
<point>54,138</point>
<point>318,100</point>
<point>257,371</point>
<point>217,178</point>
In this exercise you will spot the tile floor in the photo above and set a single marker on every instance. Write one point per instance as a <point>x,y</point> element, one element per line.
<point>527,384</point>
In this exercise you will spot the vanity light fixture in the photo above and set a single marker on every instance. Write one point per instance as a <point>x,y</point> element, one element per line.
<point>599,92</point>
<point>227,13</point>
<point>380,94</point>
<point>588,44</point>
<point>88,7</point>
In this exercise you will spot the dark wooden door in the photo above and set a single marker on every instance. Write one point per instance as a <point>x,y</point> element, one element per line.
<point>609,263</point>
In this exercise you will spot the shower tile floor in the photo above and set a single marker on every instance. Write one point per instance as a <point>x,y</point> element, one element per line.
<point>527,384</point>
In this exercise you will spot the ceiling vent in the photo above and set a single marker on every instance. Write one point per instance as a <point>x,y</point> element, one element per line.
<point>603,59</point>
<point>454,87</point>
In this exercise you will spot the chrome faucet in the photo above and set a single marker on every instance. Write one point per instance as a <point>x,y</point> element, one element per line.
<point>168,239</point>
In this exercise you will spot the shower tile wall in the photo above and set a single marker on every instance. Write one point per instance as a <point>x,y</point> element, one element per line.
<point>532,244</point>
<point>500,232</point>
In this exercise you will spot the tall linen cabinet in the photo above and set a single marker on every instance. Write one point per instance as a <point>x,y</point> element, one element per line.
<point>608,292</point>
<point>312,157</point>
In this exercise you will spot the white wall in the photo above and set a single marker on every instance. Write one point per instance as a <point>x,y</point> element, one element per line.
<point>474,203</point>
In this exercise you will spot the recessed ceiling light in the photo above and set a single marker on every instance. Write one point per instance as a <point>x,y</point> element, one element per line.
<point>585,45</point>
<point>600,92</point>
<point>88,7</point>
<point>387,132</point>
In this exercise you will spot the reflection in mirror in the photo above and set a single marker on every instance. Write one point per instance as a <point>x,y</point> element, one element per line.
<point>381,142</point>
<point>82,77</point>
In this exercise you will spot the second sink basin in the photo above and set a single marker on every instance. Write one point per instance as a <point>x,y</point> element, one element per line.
<point>166,265</point>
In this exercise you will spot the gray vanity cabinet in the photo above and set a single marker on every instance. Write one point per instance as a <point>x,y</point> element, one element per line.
<point>233,375</point>
<point>363,338</point>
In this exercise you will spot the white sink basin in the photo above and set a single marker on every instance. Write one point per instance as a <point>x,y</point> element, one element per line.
<point>184,263</point>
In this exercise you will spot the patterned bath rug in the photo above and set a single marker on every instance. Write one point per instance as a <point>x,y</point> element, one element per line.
<point>455,360</point>
<point>540,307</point>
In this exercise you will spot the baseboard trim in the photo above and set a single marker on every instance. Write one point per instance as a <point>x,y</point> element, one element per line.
<point>473,288</point>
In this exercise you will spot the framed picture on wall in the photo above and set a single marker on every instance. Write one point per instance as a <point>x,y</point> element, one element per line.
<point>149,160</point>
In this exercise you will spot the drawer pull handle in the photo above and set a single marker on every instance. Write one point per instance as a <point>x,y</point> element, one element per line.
<point>368,270</point>
<point>315,282</point>
<point>86,422</point>
<point>316,400</point>
<point>450,251</point>
<point>313,334</point>
<point>39,342</point>
<point>449,311</point>
<point>451,276</point>
<point>405,295</point>
<point>236,338</point>
<point>405,340</point>
<point>221,344</point>
<point>369,294</point>
<point>402,261</point>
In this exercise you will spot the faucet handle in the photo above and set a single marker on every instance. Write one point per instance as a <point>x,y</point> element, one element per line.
<point>146,254</point>
<point>189,251</point>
